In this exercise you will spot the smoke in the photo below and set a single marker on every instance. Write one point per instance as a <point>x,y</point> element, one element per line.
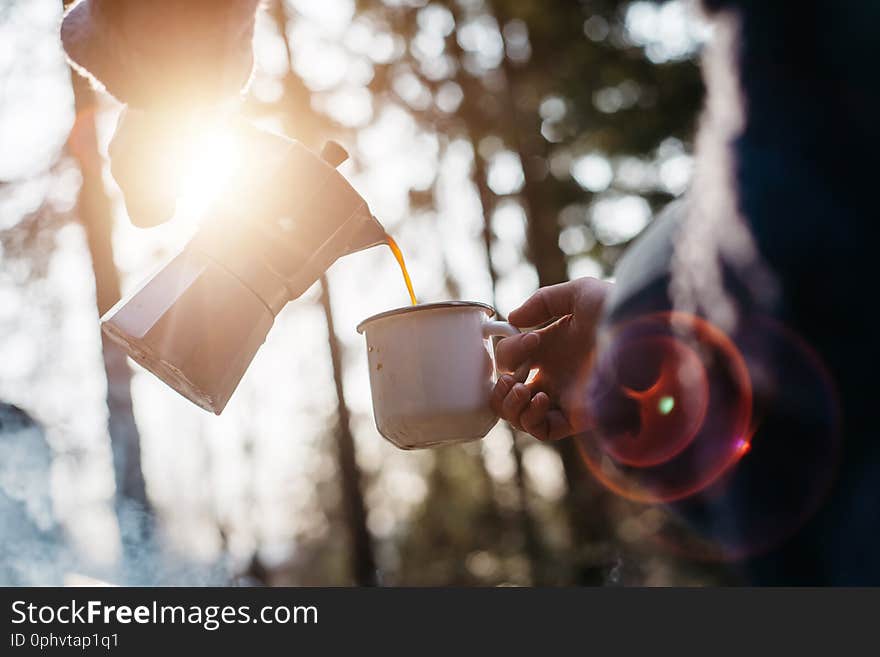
<point>147,561</point>
<point>715,235</point>
<point>35,550</point>
<point>32,550</point>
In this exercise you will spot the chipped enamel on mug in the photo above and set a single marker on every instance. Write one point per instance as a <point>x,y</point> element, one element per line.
<point>431,373</point>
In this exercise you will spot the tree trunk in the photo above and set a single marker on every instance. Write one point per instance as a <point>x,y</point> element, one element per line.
<point>300,122</point>
<point>96,215</point>
<point>363,563</point>
<point>532,542</point>
<point>586,500</point>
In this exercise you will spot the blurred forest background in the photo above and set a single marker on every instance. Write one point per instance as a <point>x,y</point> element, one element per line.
<point>506,144</point>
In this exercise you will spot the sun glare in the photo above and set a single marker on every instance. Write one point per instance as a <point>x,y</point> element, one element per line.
<point>206,167</point>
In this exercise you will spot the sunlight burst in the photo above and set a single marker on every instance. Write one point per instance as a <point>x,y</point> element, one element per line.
<point>206,166</point>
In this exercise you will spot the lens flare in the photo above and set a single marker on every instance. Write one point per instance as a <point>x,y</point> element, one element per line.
<point>672,401</point>
<point>738,434</point>
<point>785,471</point>
<point>665,428</point>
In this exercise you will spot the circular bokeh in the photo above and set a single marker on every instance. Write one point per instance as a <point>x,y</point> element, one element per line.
<point>738,435</point>
<point>671,400</point>
<point>763,504</point>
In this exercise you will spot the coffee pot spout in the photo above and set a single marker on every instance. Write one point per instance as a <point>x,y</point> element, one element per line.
<point>366,231</point>
<point>360,231</point>
<point>369,233</point>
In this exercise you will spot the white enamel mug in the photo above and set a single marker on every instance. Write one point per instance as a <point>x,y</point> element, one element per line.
<point>431,373</point>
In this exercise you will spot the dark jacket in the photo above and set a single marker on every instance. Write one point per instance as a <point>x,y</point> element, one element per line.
<point>803,506</point>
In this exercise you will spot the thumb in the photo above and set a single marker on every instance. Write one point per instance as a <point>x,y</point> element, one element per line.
<point>545,304</point>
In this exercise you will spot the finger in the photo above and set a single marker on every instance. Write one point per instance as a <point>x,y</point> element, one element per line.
<point>534,419</point>
<point>514,351</point>
<point>587,294</point>
<point>545,304</point>
<point>558,426</point>
<point>502,388</point>
<point>515,403</point>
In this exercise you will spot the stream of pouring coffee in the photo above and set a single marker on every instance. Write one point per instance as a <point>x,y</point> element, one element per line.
<point>398,255</point>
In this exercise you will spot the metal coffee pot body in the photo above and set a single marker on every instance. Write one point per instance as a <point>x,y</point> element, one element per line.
<point>285,217</point>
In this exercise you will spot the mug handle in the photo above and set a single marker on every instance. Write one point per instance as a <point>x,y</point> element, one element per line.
<point>501,329</point>
<point>493,329</point>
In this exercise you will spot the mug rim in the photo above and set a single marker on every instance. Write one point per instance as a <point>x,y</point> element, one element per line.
<point>485,307</point>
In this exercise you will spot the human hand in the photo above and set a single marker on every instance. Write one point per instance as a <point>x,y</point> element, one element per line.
<point>553,404</point>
